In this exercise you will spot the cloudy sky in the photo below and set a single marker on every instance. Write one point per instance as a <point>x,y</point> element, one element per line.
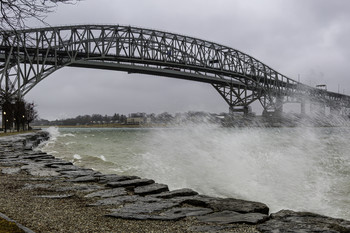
<point>305,38</point>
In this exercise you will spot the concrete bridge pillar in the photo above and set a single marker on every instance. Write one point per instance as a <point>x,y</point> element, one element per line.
<point>242,109</point>
<point>279,105</point>
<point>303,108</point>
<point>318,108</point>
<point>335,110</point>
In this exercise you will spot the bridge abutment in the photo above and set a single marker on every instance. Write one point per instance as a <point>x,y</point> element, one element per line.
<point>239,109</point>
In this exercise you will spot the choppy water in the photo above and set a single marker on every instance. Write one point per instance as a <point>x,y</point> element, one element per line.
<point>304,169</point>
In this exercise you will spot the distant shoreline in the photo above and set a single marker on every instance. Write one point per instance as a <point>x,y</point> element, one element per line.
<point>105,126</point>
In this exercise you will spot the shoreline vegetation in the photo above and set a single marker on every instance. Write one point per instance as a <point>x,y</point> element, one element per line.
<point>114,125</point>
<point>47,194</point>
<point>166,120</point>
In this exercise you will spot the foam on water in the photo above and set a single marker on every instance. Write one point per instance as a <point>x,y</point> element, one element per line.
<point>284,168</point>
<point>306,169</point>
<point>76,156</point>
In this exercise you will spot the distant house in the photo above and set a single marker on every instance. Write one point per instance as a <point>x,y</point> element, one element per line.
<point>138,119</point>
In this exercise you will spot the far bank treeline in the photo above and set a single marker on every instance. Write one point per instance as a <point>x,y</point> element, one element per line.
<point>17,114</point>
<point>131,119</point>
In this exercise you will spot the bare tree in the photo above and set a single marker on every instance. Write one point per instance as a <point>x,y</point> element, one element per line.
<point>30,113</point>
<point>15,13</point>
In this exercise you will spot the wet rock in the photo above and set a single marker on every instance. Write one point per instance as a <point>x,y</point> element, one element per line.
<point>229,217</point>
<point>115,178</point>
<point>57,196</point>
<point>77,173</point>
<point>183,212</point>
<point>38,186</point>
<point>35,169</point>
<point>209,228</point>
<point>59,164</point>
<point>143,207</point>
<point>123,200</point>
<point>88,178</point>
<point>222,204</point>
<point>131,216</point>
<point>108,193</point>
<point>237,205</point>
<point>128,183</point>
<point>39,156</point>
<point>151,189</point>
<point>63,168</point>
<point>303,222</point>
<point>48,179</point>
<point>81,187</point>
<point>11,171</point>
<point>176,193</point>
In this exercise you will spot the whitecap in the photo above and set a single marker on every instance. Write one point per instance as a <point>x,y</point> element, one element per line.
<point>68,135</point>
<point>69,143</point>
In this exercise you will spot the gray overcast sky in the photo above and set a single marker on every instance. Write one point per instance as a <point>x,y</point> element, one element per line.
<point>306,37</point>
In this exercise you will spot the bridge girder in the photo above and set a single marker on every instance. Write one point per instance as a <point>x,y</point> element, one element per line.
<point>29,56</point>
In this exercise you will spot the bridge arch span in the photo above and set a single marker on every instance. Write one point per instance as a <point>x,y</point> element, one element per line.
<point>29,56</point>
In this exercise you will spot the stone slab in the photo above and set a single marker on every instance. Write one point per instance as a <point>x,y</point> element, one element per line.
<point>151,189</point>
<point>303,222</point>
<point>121,200</point>
<point>11,171</point>
<point>79,187</point>
<point>81,179</point>
<point>142,207</point>
<point>182,212</point>
<point>176,193</point>
<point>108,193</point>
<point>229,217</point>
<point>133,183</point>
<point>57,196</point>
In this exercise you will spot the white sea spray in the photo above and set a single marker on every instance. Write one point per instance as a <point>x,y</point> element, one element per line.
<point>299,168</point>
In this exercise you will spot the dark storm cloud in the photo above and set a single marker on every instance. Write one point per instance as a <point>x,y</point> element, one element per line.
<point>309,38</point>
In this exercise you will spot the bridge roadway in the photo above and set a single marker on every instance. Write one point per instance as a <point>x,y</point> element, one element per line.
<point>29,56</point>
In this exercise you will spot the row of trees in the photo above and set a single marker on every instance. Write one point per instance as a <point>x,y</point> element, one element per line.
<point>17,114</point>
<point>88,120</point>
<point>162,118</point>
<point>14,16</point>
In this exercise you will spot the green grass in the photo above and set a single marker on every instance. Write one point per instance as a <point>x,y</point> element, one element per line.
<point>9,227</point>
<point>2,134</point>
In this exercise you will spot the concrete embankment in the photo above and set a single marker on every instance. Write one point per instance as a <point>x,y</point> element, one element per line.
<point>47,194</point>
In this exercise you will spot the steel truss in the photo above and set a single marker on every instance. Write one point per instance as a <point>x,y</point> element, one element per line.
<point>29,56</point>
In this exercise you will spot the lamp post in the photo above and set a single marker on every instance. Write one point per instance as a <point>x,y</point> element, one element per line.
<point>23,121</point>
<point>4,121</point>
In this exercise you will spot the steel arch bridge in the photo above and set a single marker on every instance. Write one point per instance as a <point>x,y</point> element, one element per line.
<point>29,56</point>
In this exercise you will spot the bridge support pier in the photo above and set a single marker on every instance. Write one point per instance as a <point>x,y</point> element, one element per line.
<point>318,109</point>
<point>242,109</point>
<point>335,110</point>
<point>303,108</point>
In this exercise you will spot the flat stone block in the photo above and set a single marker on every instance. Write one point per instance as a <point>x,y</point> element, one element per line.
<point>108,193</point>
<point>57,196</point>
<point>121,200</point>
<point>151,189</point>
<point>134,183</point>
<point>229,217</point>
<point>176,193</point>
<point>303,222</point>
<point>11,171</point>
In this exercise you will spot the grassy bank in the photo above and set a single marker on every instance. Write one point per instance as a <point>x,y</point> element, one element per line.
<point>7,226</point>
<point>105,126</point>
<point>3,134</point>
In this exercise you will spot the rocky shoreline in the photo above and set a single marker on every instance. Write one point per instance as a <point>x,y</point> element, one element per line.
<point>35,184</point>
